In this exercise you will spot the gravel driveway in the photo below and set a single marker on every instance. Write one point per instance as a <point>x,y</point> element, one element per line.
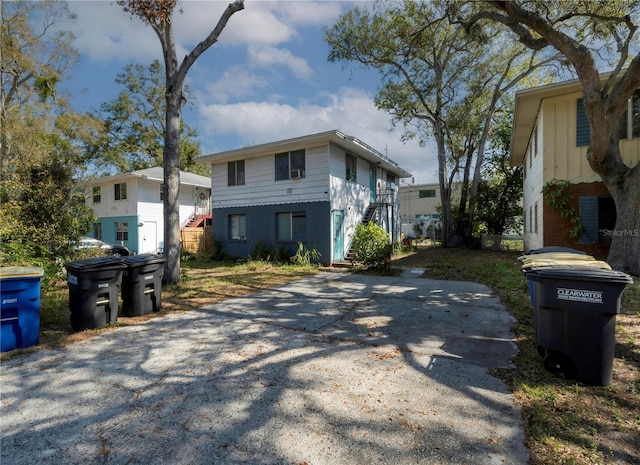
<point>333,369</point>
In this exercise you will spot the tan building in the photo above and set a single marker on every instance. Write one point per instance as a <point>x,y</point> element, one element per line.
<point>550,138</point>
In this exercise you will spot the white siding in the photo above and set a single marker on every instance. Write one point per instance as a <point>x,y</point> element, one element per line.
<point>261,188</point>
<point>108,206</point>
<point>532,188</point>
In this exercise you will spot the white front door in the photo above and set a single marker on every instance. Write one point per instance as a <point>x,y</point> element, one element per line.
<point>149,237</point>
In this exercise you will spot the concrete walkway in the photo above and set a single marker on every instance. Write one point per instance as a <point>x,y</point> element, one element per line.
<point>328,370</point>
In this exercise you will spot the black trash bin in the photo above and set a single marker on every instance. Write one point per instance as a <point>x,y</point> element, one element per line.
<point>93,291</point>
<point>576,308</point>
<point>142,284</point>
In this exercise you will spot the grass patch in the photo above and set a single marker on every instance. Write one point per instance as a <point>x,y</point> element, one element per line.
<point>565,422</point>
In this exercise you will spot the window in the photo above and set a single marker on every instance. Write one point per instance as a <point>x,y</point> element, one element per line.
<point>162,191</point>
<point>122,231</point>
<point>427,194</point>
<point>530,216</point>
<point>97,191</point>
<point>391,178</point>
<point>629,123</point>
<point>291,226</point>
<point>352,168</point>
<point>290,165</point>
<point>238,227</point>
<point>535,141</point>
<point>120,192</point>
<point>235,173</point>
<point>597,218</point>
<point>535,217</point>
<point>97,231</point>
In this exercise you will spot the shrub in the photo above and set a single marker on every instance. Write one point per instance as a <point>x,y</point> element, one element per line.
<point>305,256</point>
<point>371,245</point>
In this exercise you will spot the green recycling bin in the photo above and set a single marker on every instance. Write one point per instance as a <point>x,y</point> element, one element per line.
<point>94,286</point>
<point>576,308</point>
<point>142,284</point>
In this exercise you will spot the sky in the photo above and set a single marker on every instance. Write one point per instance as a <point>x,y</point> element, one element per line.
<point>266,79</point>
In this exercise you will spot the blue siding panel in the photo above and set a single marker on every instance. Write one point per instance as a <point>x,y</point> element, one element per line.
<point>261,227</point>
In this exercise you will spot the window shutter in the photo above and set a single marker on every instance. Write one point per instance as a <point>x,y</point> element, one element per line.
<point>583,133</point>
<point>589,219</point>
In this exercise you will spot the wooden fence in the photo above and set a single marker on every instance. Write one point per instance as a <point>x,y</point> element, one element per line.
<point>197,240</point>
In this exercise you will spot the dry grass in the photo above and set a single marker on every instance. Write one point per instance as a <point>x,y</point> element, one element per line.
<point>566,422</point>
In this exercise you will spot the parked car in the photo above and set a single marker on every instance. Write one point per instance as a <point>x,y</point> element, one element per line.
<point>92,243</point>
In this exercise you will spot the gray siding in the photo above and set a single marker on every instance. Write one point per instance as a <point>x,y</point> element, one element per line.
<point>261,227</point>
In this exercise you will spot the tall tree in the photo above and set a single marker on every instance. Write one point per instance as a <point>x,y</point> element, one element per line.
<point>41,138</point>
<point>134,129</point>
<point>158,15</point>
<point>586,33</point>
<point>438,77</point>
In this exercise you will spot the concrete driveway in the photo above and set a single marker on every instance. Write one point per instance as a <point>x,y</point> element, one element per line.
<point>331,369</point>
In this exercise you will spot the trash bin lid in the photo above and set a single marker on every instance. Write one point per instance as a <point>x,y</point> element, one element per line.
<point>555,248</point>
<point>579,273</point>
<point>564,263</point>
<point>7,272</point>
<point>97,263</point>
<point>555,256</point>
<point>143,259</point>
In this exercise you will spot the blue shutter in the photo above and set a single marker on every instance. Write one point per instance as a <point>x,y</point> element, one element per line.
<point>589,219</point>
<point>583,133</point>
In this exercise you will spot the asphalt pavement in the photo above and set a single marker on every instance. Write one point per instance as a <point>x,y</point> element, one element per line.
<point>332,369</point>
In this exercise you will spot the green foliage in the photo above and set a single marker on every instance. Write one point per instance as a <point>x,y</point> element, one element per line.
<point>558,196</point>
<point>134,125</point>
<point>371,245</point>
<point>261,251</point>
<point>304,256</point>
<point>500,189</point>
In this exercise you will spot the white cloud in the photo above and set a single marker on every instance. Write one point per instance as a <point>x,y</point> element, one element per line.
<point>236,82</point>
<point>350,110</point>
<point>269,56</point>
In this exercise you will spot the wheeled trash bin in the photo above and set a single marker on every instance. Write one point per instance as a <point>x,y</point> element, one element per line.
<point>576,308</point>
<point>94,286</point>
<point>142,284</point>
<point>19,306</point>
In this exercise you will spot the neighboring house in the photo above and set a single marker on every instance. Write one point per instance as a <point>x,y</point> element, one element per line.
<point>129,207</point>
<point>550,137</point>
<point>420,205</point>
<point>313,189</point>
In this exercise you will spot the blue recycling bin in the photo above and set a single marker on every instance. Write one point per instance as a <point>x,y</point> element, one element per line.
<point>19,307</point>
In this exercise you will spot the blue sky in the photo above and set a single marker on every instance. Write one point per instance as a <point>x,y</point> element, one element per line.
<point>265,80</point>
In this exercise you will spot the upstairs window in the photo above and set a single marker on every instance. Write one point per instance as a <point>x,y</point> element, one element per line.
<point>290,165</point>
<point>235,173</point>
<point>352,168</point>
<point>629,123</point>
<point>120,192</point>
<point>427,194</point>
<point>96,194</point>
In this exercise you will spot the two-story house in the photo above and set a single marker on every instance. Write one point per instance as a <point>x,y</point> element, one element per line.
<point>550,137</point>
<point>129,207</point>
<point>313,189</point>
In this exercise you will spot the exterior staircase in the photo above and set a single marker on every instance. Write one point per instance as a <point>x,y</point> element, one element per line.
<point>197,221</point>
<point>367,218</point>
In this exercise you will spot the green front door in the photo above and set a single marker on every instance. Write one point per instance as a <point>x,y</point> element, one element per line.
<point>372,182</point>
<point>338,235</point>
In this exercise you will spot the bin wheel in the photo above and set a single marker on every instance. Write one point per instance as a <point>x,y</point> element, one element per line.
<point>559,364</point>
<point>541,351</point>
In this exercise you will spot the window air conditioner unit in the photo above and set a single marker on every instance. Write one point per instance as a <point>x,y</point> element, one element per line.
<point>297,174</point>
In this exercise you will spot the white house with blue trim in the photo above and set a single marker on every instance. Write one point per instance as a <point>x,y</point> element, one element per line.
<point>129,207</point>
<point>313,189</point>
